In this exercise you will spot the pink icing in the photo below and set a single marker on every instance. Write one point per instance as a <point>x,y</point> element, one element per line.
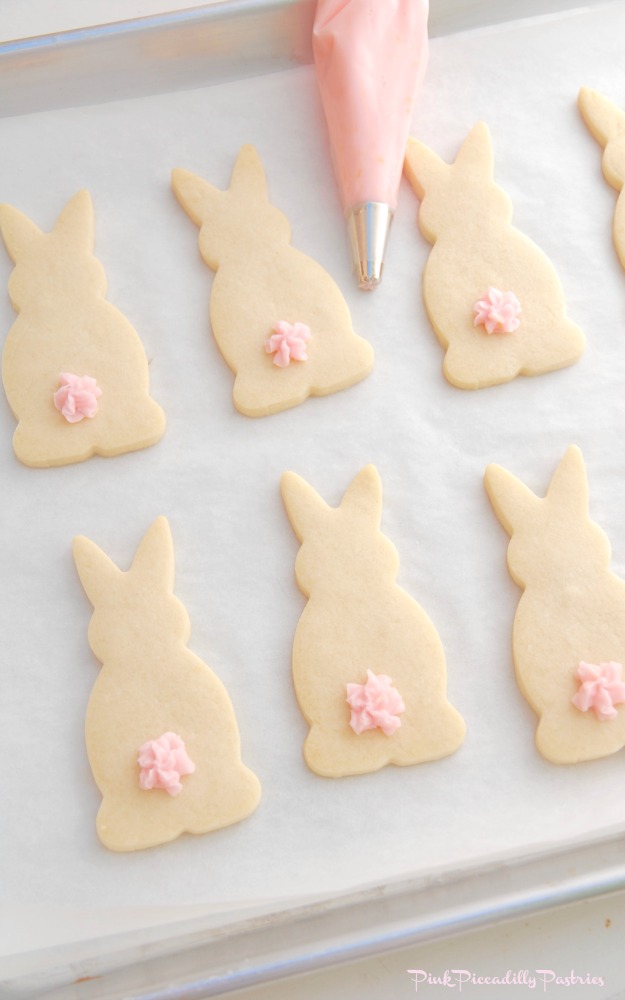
<point>370,57</point>
<point>376,704</point>
<point>288,343</point>
<point>77,397</point>
<point>498,312</point>
<point>163,763</point>
<point>601,688</point>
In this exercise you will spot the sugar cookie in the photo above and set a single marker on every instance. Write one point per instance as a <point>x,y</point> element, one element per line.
<point>368,664</point>
<point>73,368</point>
<point>479,267</point>
<point>161,733</point>
<point>265,288</point>
<point>606,123</point>
<point>568,639</point>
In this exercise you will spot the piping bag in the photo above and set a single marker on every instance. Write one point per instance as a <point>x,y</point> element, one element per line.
<point>370,57</point>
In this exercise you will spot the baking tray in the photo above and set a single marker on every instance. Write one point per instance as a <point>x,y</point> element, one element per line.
<point>191,960</point>
<point>221,42</point>
<point>208,44</point>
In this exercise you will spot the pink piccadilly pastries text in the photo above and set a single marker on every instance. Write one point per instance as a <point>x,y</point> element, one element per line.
<point>370,57</point>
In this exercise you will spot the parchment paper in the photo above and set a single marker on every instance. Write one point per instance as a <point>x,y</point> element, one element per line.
<point>216,474</point>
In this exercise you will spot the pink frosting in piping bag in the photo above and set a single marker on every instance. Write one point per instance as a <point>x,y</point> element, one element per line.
<point>370,57</point>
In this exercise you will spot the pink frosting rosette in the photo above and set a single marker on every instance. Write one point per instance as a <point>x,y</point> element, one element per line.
<point>601,688</point>
<point>497,311</point>
<point>288,343</point>
<point>77,397</point>
<point>376,704</point>
<point>163,763</point>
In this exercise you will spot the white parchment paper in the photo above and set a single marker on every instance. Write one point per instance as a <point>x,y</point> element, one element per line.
<point>216,474</point>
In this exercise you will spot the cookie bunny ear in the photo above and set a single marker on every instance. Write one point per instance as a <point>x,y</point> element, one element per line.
<point>513,503</point>
<point>569,485</point>
<point>423,168</point>
<point>76,224</point>
<point>363,496</point>
<point>604,119</point>
<point>476,153</point>
<point>98,574</point>
<point>304,507</point>
<point>154,559</point>
<point>195,195</point>
<point>248,176</point>
<point>18,232</point>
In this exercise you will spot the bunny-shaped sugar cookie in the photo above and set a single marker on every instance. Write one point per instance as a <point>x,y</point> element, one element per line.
<point>606,122</point>
<point>155,700</point>
<point>74,369</point>
<point>569,636</point>
<point>492,296</point>
<point>368,664</point>
<point>278,318</point>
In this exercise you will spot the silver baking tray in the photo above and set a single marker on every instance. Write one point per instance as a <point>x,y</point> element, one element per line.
<point>190,960</point>
<point>217,43</point>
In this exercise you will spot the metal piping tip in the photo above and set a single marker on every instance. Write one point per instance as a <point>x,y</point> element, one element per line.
<point>368,226</point>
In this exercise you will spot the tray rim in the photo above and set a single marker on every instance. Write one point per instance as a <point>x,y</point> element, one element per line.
<point>72,68</point>
<point>270,34</point>
<point>330,932</point>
